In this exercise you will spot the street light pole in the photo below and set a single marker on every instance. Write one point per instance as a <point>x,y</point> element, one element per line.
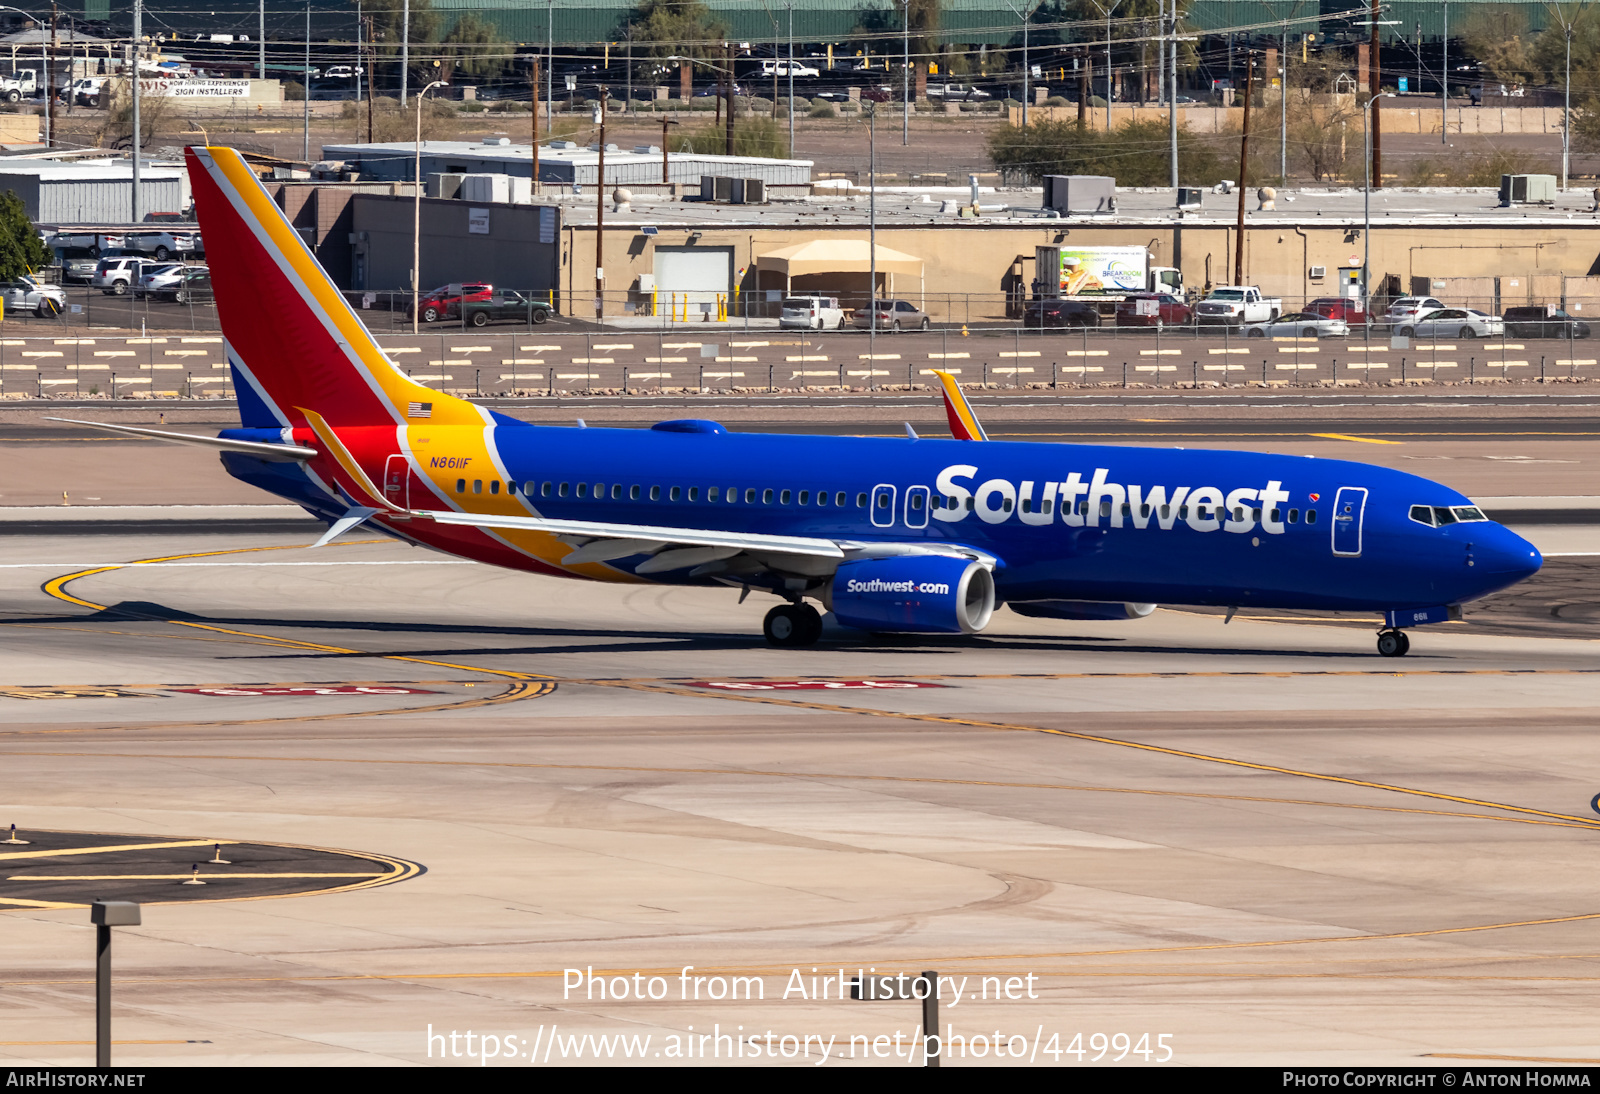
<point>405,51</point>
<point>416,212</point>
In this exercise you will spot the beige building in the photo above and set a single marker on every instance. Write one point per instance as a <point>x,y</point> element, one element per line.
<point>1458,245</point>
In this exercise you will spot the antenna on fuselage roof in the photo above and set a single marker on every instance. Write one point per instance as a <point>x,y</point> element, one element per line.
<point>964,424</point>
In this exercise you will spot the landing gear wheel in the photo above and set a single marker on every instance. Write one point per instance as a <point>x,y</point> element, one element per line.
<point>792,625</point>
<point>1393,643</point>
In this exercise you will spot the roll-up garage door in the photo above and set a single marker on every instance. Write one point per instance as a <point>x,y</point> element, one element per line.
<point>701,273</point>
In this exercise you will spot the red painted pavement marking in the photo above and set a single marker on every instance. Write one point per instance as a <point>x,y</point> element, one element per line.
<point>330,690</point>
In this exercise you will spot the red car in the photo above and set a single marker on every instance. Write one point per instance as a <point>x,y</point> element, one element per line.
<point>445,301</point>
<point>1152,309</point>
<point>1353,312</point>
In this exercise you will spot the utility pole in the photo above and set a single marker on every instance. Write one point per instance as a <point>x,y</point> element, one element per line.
<point>1444,77</point>
<point>550,56</point>
<point>305,153</point>
<point>1244,149</point>
<point>727,57</point>
<point>533,84</point>
<point>791,90</point>
<point>405,51</point>
<point>1374,74</point>
<point>361,56</point>
<point>905,75</point>
<point>1083,91</point>
<point>872,237</point>
<point>138,41</point>
<point>1283,111</point>
<point>50,82</point>
<point>600,217</point>
<point>261,39</point>
<point>372,56</point>
<point>1172,89</point>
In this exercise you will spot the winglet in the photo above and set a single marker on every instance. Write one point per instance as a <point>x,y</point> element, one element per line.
<point>964,424</point>
<point>358,479</point>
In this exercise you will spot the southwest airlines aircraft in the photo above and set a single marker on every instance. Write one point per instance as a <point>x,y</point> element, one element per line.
<point>887,534</point>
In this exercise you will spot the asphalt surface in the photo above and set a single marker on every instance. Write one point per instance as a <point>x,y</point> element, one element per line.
<point>1256,838</point>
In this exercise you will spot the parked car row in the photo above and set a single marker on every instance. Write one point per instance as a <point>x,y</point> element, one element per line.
<point>479,303</point>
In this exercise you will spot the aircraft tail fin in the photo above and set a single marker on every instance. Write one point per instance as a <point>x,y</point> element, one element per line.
<point>964,424</point>
<point>293,340</point>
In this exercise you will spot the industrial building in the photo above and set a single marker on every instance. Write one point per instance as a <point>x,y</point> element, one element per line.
<point>92,192</point>
<point>561,163</point>
<point>1462,245</point>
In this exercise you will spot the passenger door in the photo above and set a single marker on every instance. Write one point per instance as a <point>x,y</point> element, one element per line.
<point>1349,507</point>
<point>916,515</point>
<point>883,506</point>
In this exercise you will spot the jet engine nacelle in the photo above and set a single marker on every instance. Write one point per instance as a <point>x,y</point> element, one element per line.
<point>1081,609</point>
<point>929,593</point>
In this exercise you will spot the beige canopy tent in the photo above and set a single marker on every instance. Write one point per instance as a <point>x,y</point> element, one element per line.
<point>838,256</point>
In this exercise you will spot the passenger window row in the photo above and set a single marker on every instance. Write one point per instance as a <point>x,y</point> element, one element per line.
<point>617,492</point>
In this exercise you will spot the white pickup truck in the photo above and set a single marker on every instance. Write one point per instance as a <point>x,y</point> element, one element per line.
<point>21,84</point>
<point>786,67</point>
<point>1236,305</point>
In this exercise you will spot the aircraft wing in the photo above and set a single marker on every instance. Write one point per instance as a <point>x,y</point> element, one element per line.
<point>645,534</point>
<point>675,548</point>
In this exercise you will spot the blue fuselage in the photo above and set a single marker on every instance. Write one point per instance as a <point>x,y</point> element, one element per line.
<point>1063,521</point>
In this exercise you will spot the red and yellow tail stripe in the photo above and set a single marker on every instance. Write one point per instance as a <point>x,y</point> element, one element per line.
<point>964,424</point>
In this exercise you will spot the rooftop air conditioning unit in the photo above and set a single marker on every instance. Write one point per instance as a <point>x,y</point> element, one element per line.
<point>1190,197</point>
<point>755,191</point>
<point>1527,189</point>
<point>1080,193</point>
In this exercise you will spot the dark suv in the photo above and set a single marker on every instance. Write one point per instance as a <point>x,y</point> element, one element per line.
<point>1060,313</point>
<point>1543,321</point>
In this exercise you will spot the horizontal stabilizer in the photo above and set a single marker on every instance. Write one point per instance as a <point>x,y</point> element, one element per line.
<point>254,448</point>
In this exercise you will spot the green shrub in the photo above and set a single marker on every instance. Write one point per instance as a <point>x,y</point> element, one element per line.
<point>821,108</point>
<point>473,107</point>
<point>1057,100</point>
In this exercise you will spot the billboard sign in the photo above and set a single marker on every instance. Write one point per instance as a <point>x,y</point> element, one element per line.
<point>196,89</point>
<point>1090,270</point>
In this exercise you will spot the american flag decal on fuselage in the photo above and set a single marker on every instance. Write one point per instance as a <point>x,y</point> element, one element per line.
<point>419,410</point>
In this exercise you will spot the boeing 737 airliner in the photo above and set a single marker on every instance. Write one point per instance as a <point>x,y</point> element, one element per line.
<point>888,534</point>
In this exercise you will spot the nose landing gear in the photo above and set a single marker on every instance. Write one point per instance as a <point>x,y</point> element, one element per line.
<point>1393,643</point>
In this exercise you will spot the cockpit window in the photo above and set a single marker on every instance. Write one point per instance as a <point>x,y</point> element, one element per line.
<point>1439,515</point>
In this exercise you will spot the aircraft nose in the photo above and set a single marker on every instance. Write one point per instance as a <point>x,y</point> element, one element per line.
<point>1505,556</point>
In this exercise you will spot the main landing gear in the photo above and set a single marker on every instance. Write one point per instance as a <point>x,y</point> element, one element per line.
<point>792,625</point>
<point>1393,643</point>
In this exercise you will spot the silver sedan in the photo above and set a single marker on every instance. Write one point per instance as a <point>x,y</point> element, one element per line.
<point>1453,323</point>
<point>1302,325</point>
